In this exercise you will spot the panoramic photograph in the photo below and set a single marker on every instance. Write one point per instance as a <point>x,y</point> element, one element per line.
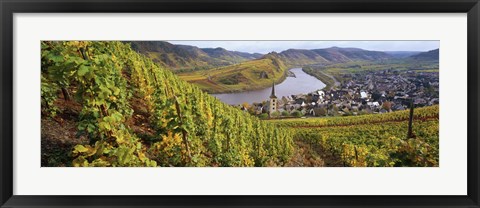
<point>240,103</point>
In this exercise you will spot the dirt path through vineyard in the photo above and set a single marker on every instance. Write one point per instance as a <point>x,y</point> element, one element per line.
<point>305,156</point>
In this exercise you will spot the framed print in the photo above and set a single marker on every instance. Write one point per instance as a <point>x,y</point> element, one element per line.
<point>247,104</point>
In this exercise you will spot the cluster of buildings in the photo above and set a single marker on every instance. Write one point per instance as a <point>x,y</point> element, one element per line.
<point>363,93</point>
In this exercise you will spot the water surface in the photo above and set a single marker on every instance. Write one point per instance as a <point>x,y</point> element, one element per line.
<point>302,83</point>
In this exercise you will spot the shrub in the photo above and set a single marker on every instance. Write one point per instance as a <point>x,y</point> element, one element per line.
<point>263,116</point>
<point>297,113</point>
<point>275,114</point>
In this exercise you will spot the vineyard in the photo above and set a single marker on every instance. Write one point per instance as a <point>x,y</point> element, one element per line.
<point>105,105</point>
<point>372,140</point>
<point>132,112</point>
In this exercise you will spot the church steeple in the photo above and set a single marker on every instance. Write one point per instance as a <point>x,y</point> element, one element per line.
<point>273,91</point>
<point>273,101</point>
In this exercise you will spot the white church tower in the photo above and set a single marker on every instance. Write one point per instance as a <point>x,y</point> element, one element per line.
<point>273,101</point>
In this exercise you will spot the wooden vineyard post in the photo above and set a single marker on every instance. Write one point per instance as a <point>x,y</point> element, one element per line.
<point>66,94</point>
<point>410,120</point>
<point>184,132</point>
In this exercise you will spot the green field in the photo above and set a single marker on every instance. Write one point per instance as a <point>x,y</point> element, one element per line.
<point>339,69</point>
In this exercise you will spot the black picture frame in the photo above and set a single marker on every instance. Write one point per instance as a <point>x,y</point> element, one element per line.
<point>10,7</point>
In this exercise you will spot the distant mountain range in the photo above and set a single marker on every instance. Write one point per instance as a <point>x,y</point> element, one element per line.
<point>300,57</point>
<point>402,54</point>
<point>432,55</point>
<point>190,58</point>
<point>224,54</point>
<point>184,58</point>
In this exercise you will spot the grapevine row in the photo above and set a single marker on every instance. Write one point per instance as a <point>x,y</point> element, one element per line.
<point>115,85</point>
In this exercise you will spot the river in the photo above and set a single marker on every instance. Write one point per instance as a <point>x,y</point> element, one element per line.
<point>301,83</point>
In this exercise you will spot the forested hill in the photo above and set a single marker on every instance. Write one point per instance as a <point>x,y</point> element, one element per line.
<point>184,58</point>
<point>134,112</point>
<point>432,55</point>
<point>225,54</point>
<point>302,57</point>
<point>259,73</point>
<point>248,75</point>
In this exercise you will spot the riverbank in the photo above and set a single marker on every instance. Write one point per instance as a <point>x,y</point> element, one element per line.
<point>329,80</point>
<point>246,76</point>
<point>301,83</point>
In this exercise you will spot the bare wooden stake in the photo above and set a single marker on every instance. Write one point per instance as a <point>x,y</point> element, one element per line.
<point>66,94</point>
<point>184,132</point>
<point>410,121</point>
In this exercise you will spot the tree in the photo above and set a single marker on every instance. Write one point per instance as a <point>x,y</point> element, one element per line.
<point>275,114</point>
<point>376,96</point>
<point>263,116</point>
<point>297,113</point>
<point>387,105</point>
<point>322,112</point>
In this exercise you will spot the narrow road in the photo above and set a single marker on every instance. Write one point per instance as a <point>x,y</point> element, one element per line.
<point>337,83</point>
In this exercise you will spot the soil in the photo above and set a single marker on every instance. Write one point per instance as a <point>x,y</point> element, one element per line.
<point>305,156</point>
<point>59,135</point>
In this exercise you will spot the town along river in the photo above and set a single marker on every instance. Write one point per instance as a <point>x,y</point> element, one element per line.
<point>301,83</point>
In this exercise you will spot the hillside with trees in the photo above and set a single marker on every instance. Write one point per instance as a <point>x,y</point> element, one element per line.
<point>249,75</point>
<point>185,58</point>
<point>432,55</point>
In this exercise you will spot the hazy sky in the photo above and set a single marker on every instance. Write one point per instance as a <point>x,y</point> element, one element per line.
<point>279,46</point>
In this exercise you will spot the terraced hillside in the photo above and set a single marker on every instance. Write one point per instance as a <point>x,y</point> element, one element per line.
<point>249,75</point>
<point>104,104</point>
